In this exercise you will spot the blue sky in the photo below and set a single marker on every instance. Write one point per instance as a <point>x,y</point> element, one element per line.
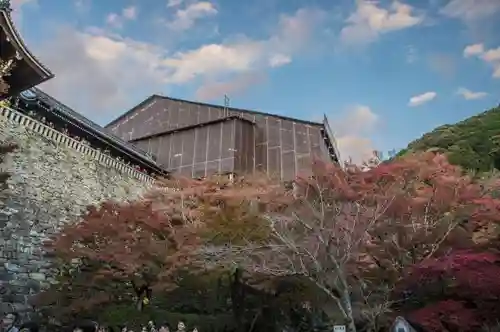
<point>384,72</point>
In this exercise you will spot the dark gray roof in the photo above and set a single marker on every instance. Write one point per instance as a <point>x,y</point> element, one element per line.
<point>94,127</point>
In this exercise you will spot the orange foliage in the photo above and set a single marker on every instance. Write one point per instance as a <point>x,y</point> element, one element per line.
<point>130,238</point>
<point>222,211</point>
<point>118,243</point>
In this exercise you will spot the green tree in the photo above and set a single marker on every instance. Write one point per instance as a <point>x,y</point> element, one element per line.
<point>473,144</point>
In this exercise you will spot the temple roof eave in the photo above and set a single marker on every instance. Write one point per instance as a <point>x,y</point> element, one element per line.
<point>16,40</point>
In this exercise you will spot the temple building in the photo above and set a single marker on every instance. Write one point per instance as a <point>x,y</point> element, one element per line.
<point>36,103</point>
<point>165,135</point>
<point>25,71</point>
<point>22,72</point>
<point>197,139</point>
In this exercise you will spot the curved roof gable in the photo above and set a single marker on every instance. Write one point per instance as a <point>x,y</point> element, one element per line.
<point>13,37</point>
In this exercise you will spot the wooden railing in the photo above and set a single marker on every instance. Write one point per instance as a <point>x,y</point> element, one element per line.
<point>60,138</point>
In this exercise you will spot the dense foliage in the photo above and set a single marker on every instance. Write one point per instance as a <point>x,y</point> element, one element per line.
<point>343,246</point>
<point>473,144</point>
<point>461,291</point>
<point>117,250</point>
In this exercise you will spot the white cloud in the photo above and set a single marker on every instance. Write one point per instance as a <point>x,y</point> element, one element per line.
<point>471,10</point>
<point>111,75</point>
<point>245,54</point>
<point>213,60</point>
<point>360,119</point>
<point>355,149</point>
<point>369,21</point>
<point>496,71</point>
<point>422,99</point>
<point>232,87</point>
<point>469,95</point>
<point>295,30</point>
<point>491,56</point>
<point>17,4</point>
<point>17,8</point>
<point>279,60</point>
<point>472,50</point>
<point>185,18</point>
<point>130,13</point>
<point>174,3</point>
<point>114,72</point>
<point>116,20</point>
<point>352,131</point>
<point>113,19</point>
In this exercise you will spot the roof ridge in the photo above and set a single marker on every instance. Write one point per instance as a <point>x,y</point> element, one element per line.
<point>153,96</point>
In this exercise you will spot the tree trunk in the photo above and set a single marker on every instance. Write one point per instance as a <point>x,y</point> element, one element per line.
<point>237,298</point>
<point>346,300</point>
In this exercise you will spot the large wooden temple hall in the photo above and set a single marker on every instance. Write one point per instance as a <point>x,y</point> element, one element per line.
<point>164,135</point>
<point>197,139</point>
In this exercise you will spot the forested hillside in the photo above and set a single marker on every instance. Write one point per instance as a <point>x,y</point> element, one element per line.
<point>473,144</point>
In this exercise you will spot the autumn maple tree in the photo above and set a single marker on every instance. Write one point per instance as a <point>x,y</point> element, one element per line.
<point>351,232</point>
<point>455,292</point>
<point>115,250</point>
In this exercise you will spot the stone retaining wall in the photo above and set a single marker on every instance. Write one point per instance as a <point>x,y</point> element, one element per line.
<point>63,140</point>
<point>50,185</point>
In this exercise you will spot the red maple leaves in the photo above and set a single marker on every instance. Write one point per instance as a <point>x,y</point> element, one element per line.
<point>402,223</point>
<point>128,239</point>
<point>460,289</point>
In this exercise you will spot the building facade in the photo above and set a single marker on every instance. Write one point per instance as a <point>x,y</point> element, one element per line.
<point>197,139</point>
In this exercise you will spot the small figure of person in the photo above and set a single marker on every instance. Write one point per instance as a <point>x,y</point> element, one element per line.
<point>181,327</point>
<point>86,326</point>
<point>151,326</point>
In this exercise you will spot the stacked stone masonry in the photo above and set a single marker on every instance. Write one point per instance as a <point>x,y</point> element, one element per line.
<point>50,185</point>
<point>58,137</point>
